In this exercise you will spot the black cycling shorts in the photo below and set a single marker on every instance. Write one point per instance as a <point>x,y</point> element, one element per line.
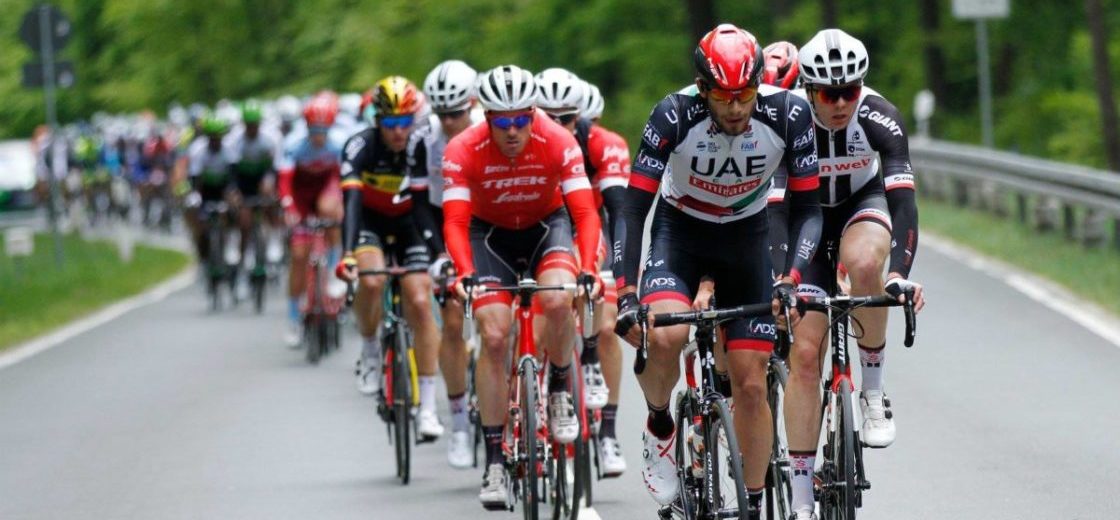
<point>735,255</point>
<point>397,236</point>
<point>868,204</point>
<point>501,254</point>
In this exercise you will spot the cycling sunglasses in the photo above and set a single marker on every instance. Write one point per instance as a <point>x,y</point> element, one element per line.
<point>830,95</point>
<point>404,121</point>
<point>454,114</point>
<point>563,118</point>
<point>505,122</point>
<point>743,95</point>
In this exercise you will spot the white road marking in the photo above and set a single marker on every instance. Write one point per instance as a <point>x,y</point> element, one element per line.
<point>24,351</point>
<point>589,513</point>
<point>1059,299</point>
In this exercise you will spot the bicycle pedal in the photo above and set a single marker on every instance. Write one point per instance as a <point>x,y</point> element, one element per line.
<point>496,506</point>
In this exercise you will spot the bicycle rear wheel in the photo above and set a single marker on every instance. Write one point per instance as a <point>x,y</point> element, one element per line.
<point>724,493</point>
<point>566,481</point>
<point>529,472</point>
<point>402,407</point>
<point>778,485</point>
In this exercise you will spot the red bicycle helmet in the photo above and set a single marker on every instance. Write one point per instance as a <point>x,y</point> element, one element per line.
<point>320,111</point>
<point>728,58</point>
<point>781,67</point>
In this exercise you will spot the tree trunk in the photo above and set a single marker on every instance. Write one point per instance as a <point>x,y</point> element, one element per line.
<point>1099,34</point>
<point>828,13</point>
<point>934,58</point>
<point>701,17</point>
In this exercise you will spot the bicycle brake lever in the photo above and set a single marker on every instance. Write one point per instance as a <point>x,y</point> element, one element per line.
<point>640,358</point>
<point>349,294</point>
<point>911,320</point>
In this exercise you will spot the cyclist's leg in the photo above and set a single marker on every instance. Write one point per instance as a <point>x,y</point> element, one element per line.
<point>417,304</point>
<point>329,206</point>
<point>453,361</point>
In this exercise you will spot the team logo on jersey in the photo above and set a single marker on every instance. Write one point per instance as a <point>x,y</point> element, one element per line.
<point>572,154</point>
<point>722,190</point>
<point>354,146</point>
<point>512,196</point>
<point>495,169</point>
<point>707,146</point>
<point>651,137</point>
<point>881,118</point>
<point>806,161</point>
<point>499,184</point>
<point>747,146</point>
<point>452,165</point>
<point>752,165</point>
<point>804,139</point>
<point>650,163</point>
<point>843,167</point>
<point>615,152</point>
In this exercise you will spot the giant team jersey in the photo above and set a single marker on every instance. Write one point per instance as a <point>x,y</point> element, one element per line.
<point>716,177</point>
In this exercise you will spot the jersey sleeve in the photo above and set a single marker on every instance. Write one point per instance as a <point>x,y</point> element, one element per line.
<point>351,168</point>
<point>579,199</point>
<point>887,135</point>
<point>457,205</point>
<point>418,187</point>
<point>805,220</point>
<point>659,137</point>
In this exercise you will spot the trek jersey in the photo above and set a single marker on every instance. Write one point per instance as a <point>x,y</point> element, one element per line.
<point>516,193</point>
<point>714,177</point>
<point>852,157</point>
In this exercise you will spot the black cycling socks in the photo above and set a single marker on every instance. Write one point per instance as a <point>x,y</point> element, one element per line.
<point>659,423</point>
<point>606,428</point>
<point>557,378</point>
<point>723,384</point>
<point>590,352</point>
<point>754,501</point>
<point>492,436</point>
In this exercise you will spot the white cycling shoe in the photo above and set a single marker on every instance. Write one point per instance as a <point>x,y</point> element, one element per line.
<point>803,514</point>
<point>494,494</point>
<point>562,421</point>
<point>293,336</point>
<point>878,421</point>
<point>660,471</point>
<point>367,376</point>
<point>611,462</point>
<point>428,427</point>
<point>595,391</point>
<point>459,454</point>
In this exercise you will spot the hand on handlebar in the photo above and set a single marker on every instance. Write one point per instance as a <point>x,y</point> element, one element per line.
<point>704,294</point>
<point>628,307</point>
<point>585,279</point>
<point>347,269</point>
<point>902,289</point>
<point>785,302</point>
<point>466,284</point>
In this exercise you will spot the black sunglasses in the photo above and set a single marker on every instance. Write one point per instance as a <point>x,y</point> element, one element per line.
<point>454,114</point>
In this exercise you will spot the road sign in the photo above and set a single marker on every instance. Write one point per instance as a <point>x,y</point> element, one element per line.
<point>19,241</point>
<point>30,30</point>
<point>975,9</point>
<point>33,74</point>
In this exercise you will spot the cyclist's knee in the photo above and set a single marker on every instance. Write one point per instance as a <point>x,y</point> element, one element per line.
<point>495,341</point>
<point>555,305</point>
<point>373,285</point>
<point>805,359</point>
<point>865,271</point>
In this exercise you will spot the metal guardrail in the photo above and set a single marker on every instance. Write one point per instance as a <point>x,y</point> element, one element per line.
<point>1045,192</point>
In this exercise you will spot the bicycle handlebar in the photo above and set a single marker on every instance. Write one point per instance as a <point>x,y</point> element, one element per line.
<point>390,272</point>
<point>845,304</point>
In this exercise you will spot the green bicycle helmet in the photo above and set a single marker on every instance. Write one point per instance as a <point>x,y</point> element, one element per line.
<point>212,125</point>
<point>251,112</point>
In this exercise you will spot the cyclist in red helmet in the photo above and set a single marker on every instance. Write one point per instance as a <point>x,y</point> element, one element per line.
<point>780,66</point>
<point>708,158</point>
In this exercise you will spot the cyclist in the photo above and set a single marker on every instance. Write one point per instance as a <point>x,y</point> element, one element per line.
<point>606,158</point>
<point>209,169</point>
<point>510,184</point>
<point>308,184</point>
<point>373,168</point>
<point>450,90</point>
<point>711,156</point>
<point>252,153</point>
<point>873,217</point>
<point>780,69</point>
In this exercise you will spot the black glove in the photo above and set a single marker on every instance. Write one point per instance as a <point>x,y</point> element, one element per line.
<point>900,286</point>
<point>786,294</point>
<point>628,306</point>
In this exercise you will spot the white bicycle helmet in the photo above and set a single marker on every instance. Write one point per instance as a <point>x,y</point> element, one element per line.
<point>833,57</point>
<point>289,108</point>
<point>450,86</point>
<point>592,106</point>
<point>506,88</point>
<point>558,89</point>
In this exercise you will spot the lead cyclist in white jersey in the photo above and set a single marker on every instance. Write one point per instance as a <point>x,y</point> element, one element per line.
<point>451,94</point>
<point>874,217</point>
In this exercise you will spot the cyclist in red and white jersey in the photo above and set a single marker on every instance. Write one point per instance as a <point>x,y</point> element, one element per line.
<point>510,185</point>
<point>874,217</point>
<point>451,93</point>
<point>711,156</point>
<point>308,184</point>
<point>606,157</point>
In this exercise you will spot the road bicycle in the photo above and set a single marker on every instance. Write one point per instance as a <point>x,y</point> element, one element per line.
<point>320,309</point>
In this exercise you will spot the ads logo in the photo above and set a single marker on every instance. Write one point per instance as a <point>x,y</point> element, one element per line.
<point>763,328</point>
<point>663,282</point>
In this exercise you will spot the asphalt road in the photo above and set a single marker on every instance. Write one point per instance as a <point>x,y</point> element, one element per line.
<point>1005,410</point>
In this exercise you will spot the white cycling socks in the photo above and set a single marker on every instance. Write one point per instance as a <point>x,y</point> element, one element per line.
<point>371,348</point>
<point>428,394</point>
<point>801,467</point>
<point>459,418</point>
<point>871,362</point>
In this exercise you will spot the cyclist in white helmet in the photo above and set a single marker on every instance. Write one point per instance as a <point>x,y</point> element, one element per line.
<point>450,89</point>
<point>873,217</point>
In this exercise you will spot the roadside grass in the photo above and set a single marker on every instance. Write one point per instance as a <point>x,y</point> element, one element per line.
<point>36,296</point>
<point>1092,273</point>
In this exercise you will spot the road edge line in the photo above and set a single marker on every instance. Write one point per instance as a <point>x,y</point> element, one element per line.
<point>1090,316</point>
<point>26,350</point>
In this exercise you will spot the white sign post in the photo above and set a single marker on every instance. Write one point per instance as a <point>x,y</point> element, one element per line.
<point>981,11</point>
<point>19,243</point>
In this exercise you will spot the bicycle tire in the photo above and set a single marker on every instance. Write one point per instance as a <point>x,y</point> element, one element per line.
<point>566,471</point>
<point>311,338</point>
<point>402,408</point>
<point>529,473</point>
<point>726,503</point>
<point>845,456</point>
<point>778,482</point>
<point>475,420</point>
<point>688,487</point>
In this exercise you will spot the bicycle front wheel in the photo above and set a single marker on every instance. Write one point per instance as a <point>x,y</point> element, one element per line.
<point>778,485</point>
<point>724,493</point>
<point>402,407</point>
<point>838,498</point>
<point>529,472</point>
<point>687,459</point>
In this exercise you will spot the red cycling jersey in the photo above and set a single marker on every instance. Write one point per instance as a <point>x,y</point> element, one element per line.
<point>516,193</point>
<point>610,156</point>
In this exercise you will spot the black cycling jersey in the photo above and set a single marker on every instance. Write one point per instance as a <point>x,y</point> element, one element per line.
<point>850,160</point>
<point>372,176</point>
